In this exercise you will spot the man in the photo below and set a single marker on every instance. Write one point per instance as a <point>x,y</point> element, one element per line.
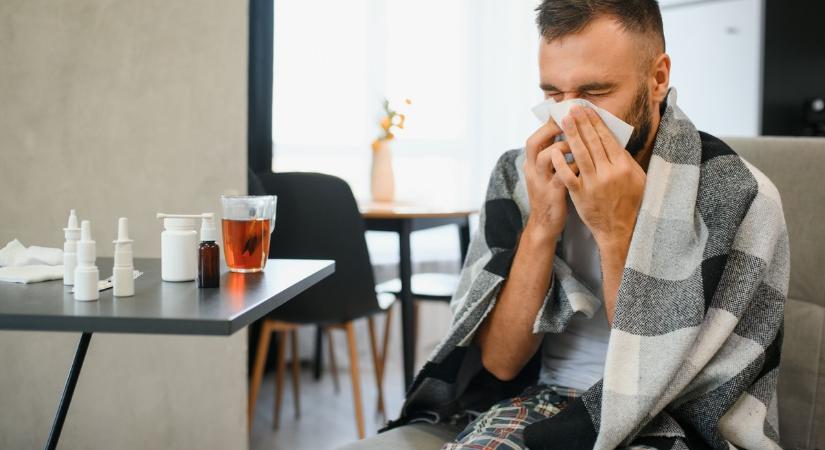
<point>633,298</point>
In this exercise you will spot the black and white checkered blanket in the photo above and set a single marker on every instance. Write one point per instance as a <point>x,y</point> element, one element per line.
<point>694,347</point>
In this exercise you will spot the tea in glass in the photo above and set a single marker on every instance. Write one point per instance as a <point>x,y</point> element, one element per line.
<point>248,222</point>
<point>246,244</point>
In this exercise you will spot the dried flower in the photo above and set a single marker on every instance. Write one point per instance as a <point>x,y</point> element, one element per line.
<point>390,119</point>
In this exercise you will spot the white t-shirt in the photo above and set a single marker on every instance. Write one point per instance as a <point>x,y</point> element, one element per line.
<point>575,358</point>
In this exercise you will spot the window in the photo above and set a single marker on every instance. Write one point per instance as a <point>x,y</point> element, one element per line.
<point>468,66</point>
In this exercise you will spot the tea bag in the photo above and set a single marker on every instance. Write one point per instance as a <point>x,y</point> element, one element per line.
<point>252,238</point>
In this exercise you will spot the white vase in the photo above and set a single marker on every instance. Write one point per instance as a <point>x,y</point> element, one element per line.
<point>382,179</point>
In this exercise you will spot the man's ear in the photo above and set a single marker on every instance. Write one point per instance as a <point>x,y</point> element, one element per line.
<point>661,78</point>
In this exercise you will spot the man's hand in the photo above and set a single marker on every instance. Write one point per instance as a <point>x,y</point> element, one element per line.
<point>545,191</point>
<point>607,193</point>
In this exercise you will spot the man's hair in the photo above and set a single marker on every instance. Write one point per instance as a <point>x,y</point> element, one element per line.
<point>559,18</point>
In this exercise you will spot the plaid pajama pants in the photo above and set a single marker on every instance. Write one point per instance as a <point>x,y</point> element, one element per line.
<point>502,426</point>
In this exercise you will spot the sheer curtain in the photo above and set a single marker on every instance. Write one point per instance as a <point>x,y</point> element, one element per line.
<point>469,67</point>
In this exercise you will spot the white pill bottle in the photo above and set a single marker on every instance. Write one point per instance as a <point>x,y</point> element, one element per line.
<point>178,247</point>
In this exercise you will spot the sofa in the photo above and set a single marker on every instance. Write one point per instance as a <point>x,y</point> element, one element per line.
<point>797,167</point>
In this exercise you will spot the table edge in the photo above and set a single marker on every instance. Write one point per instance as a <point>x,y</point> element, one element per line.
<point>144,325</point>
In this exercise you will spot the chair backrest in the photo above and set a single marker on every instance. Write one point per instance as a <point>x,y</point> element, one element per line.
<point>797,168</point>
<point>318,218</point>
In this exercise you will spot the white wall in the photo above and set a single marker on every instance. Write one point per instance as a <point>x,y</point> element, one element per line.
<point>121,108</point>
<point>716,49</point>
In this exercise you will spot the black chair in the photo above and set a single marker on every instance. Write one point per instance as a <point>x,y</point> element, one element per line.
<point>318,218</point>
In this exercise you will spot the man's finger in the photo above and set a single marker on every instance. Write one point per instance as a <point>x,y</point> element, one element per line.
<point>589,135</point>
<point>541,139</point>
<point>564,148</point>
<point>543,164</point>
<point>545,161</point>
<point>578,147</point>
<point>611,146</point>
<point>563,170</point>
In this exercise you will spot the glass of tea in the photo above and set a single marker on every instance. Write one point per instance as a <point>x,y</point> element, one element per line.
<point>248,222</point>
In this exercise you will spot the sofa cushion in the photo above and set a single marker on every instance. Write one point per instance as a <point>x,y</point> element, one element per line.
<point>802,359</point>
<point>797,168</point>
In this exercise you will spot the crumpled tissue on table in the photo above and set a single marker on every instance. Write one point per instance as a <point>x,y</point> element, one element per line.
<point>19,264</point>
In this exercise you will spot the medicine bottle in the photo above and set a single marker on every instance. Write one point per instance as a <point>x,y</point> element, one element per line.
<point>208,254</point>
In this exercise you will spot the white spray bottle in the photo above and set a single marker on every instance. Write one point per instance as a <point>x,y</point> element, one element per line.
<point>123,280</point>
<point>72,233</point>
<point>86,274</point>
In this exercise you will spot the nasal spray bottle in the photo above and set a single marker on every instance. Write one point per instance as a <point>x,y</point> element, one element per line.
<point>72,232</point>
<point>123,280</point>
<point>86,274</point>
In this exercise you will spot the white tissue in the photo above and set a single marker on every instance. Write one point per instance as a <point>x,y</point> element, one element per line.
<point>16,254</point>
<point>10,253</point>
<point>559,110</point>
<point>35,255</point>
<point>30,274</point>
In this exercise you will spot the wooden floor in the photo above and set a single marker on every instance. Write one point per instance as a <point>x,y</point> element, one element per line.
<point>327,418</point>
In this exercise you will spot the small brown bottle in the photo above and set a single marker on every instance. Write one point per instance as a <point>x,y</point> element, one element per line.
<point>208,253</point>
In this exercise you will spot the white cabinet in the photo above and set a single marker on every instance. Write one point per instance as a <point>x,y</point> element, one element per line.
<point>716,49</point>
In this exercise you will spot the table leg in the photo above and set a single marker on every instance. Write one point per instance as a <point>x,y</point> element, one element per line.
<point>68,391</point>
<point>407,313</point>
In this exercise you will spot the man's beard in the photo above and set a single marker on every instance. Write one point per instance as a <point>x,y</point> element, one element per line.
<point>639,117</point>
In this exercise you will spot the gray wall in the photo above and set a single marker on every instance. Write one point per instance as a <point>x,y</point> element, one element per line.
<point>121,108</point>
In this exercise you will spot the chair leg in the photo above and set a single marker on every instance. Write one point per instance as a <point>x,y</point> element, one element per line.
<point>382,360</point>
<point>333,366</point>
<point>296,380</point>
<point>356,382</point>
<point>318,355</point>
<point>386,340</point>
<point>416,314</point>
<point>279,377</point>
<point>258,371</point>
<point>376,357</point>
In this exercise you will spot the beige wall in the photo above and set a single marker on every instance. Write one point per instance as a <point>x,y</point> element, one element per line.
<point>121,108</point>
<point>118,108</point>
<point>134,392</point>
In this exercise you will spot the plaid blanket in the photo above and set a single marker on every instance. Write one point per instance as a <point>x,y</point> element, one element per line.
<point>694,347</point>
